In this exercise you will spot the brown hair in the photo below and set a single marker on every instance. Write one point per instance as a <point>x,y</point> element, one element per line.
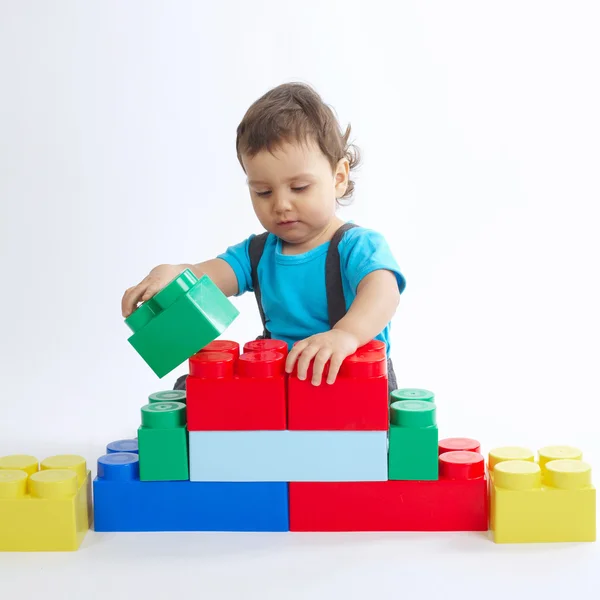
<point>295,111</point>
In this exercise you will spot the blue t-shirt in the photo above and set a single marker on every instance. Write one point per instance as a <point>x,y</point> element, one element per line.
<point>292,287</point>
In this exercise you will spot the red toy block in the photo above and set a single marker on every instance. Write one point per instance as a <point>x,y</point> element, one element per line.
<point>227,391</point>
<point>458,501</point>
<point>358,400</point>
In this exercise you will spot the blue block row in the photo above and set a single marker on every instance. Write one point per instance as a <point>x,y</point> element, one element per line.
<point>285,455</point>
<point>124,503</point>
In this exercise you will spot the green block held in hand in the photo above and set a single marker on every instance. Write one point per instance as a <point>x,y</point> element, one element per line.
<point>180,320</point>
<point>163,442</point>
<point>413,441</point>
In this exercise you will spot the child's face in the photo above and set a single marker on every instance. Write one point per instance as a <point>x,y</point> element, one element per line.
<point>294,190</point>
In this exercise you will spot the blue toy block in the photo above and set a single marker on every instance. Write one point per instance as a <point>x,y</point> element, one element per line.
<point>124,503</point>
<point>288,455</point>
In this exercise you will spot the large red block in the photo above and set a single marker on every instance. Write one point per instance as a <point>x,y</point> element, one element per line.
<point>358,400</point>
<point>229,391</point>
<point>458,501</point>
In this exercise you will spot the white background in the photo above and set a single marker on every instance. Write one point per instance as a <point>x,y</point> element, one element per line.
<point>479,127</point>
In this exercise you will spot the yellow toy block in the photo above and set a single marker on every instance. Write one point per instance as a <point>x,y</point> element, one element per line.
<point>552,500</point>
<point>44,510</point>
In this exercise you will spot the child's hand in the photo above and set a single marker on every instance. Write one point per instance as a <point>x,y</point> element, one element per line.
<point>157,279</point>
<point>332,346</point>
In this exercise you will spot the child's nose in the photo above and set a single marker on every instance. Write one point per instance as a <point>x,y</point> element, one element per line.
<point>282,201</point>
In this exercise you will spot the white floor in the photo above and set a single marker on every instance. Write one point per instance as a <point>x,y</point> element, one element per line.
<point>290,566</point>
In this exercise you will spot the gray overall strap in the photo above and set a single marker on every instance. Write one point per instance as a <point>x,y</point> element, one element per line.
<point>336,302</point>
<point>255,250</point>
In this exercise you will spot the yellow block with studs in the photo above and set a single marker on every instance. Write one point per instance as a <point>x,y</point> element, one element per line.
<point>552,500</point>
<point>47,509</point>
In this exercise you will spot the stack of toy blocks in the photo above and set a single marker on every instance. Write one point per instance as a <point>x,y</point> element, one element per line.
<point>551,500</point>
<point>268,452</point>
<point>44,507</point>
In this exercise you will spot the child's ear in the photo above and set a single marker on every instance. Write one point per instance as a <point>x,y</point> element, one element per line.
<point>342,173</point>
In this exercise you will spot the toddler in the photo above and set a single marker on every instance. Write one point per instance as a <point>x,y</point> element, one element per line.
<point>323,286</point>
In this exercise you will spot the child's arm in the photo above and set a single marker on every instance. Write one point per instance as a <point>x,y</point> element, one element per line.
<point>376,301</point>
<point>217,269</point>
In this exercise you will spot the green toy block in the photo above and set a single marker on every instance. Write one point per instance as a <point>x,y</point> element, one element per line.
<point>413,441</point>
<point>180,320</point>
<point>163,442</point>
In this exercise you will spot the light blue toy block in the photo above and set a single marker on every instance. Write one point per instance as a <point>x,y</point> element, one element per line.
<point>288,455</point>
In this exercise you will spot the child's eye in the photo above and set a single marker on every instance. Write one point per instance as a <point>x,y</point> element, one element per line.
<point>263,193</point>
<point>300,189</point>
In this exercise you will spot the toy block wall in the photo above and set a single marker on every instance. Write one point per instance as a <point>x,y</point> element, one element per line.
<point>551,500</point>
<point>44,507</point>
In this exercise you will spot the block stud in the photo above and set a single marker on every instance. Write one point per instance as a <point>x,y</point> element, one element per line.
<point>268,345</point>
<point>413,413</point>
<point>212,365</point>
<point>72,462</point>
<point>455,444</point>
<point>175,290</point>
<point>498,455</point>
<point>462,464</point>
<point>13,484</point>
<point>568,474</point>
<point>261,364</point>
<point>412,394</point>
<point>119,466</point>
<point>365,364</point>
<point>549,453</point>
<point>20,462</point>
<point>53,484</point>
<point>517,475</point>
<point>123,446</point>
<point>163,415</point>
<point>167,396</point>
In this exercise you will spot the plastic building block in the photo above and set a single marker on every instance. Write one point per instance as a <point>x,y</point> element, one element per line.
<point>411,394</point>
<point>358,400</point>
<point>123,446</point>
<point>163,442</point>
<point>288,455</point>
<point>458,501</point>
<point>182,318</point>
<point>167,396</point>
<point>552,500</point>
<point>413,449</point>
<point>47,509</point>
<point>124,503</point>
<point>229,391</point>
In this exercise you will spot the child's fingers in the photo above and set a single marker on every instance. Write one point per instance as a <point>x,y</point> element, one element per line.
<point>304,359</point>
<point>335,364</point>
<point>293,354</point>
<point>321,359</point>
<point>130,299</point>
